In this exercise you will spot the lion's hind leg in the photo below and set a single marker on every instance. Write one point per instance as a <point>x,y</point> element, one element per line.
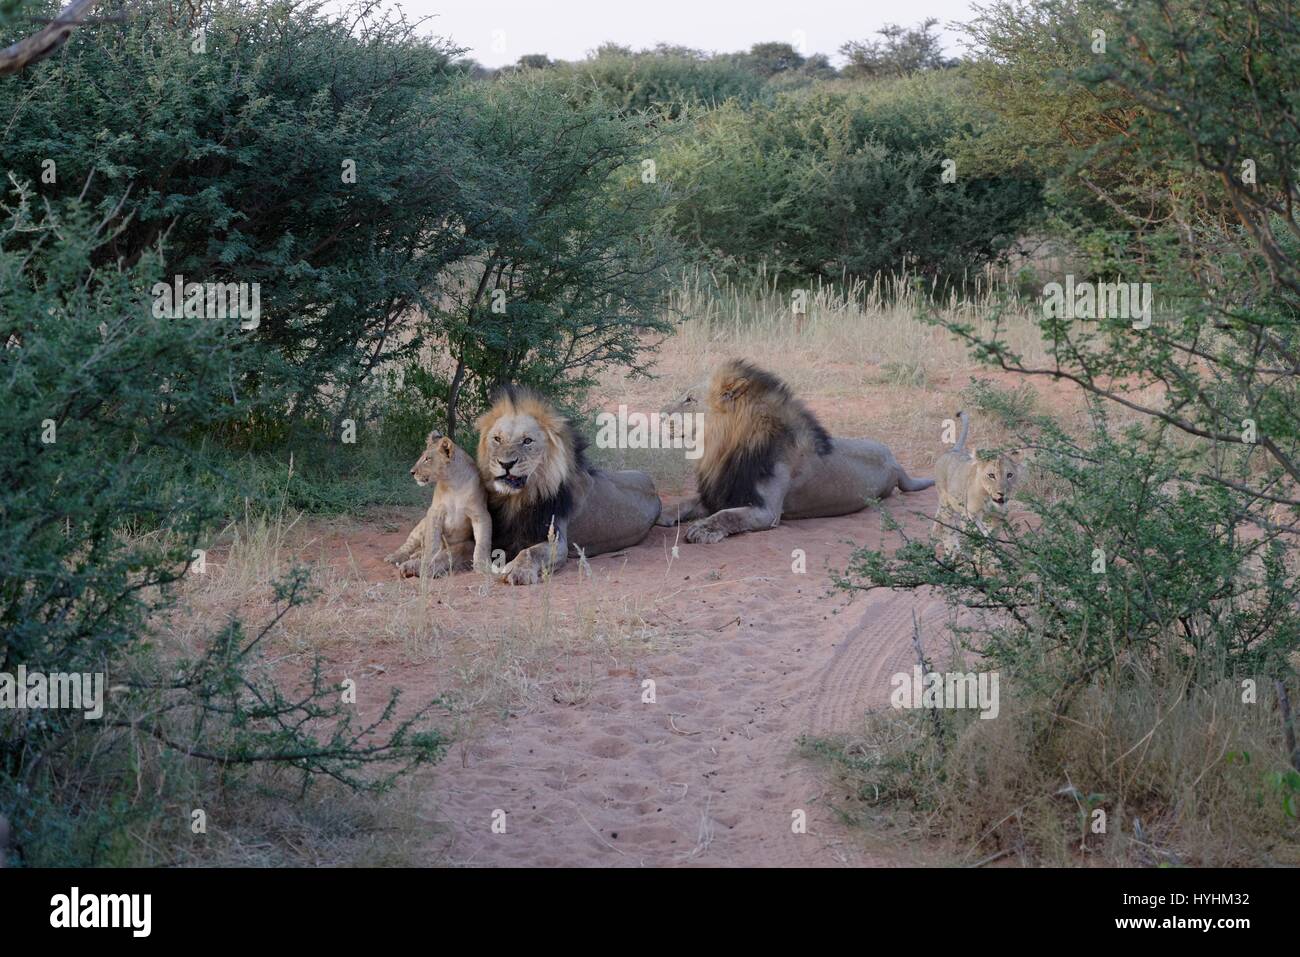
<point>413,543</point>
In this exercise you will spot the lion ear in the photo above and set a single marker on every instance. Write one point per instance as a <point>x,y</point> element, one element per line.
<point>735,389</point>
<point>554,436</point>
<point>445,447</point>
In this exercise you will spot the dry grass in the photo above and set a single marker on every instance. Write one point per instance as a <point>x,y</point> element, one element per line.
<point>871,327</point>
<point>1184,775</point>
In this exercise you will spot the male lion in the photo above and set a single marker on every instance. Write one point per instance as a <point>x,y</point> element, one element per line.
<point>972,487</point>
<point>543,495</point>
<point>457,530</point>
<point>766,457</point>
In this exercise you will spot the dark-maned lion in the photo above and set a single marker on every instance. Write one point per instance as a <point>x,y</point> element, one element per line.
<point>766,457</point>
<point>537,479</point>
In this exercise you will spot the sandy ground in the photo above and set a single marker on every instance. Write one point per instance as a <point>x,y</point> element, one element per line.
<point>708,773</point>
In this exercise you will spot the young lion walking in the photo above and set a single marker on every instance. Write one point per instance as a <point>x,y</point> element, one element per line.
<point>458,524</point>
<point>971,487</point>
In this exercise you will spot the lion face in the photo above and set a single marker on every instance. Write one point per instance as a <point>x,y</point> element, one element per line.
<point>676,412</point>
<point>997,477</point>
<point>517,447</point>
<point>433,464</point>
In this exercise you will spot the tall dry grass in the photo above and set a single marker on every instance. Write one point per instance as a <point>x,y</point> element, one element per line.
<point>874,325</point>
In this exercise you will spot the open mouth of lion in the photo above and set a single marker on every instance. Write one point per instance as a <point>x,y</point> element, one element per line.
<point>512,482</point>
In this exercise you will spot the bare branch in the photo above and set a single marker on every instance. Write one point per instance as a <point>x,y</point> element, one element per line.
<point>38,46</point>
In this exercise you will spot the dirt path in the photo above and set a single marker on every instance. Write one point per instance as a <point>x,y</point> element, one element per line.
<point>708,773</point>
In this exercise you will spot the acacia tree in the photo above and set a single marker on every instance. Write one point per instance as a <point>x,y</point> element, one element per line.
<point>900,52</point>
<point>301,150</point>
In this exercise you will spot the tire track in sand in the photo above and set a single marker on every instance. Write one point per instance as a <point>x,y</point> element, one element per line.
<point>877,647</point>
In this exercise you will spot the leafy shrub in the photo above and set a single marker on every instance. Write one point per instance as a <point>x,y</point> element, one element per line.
<point>844,179</point>
<point>1122,615</point>
<point>570,262</point>
<point>243,169</point>
<point>102,504</point>
<point>667,82</point>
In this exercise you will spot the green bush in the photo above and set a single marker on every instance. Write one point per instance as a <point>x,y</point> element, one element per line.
<point>845,179</point>
<point>1122,557</point>
<point>1140,626</point>
<point>351,169</point>
<point>666,82</point>
<point>570,261</point>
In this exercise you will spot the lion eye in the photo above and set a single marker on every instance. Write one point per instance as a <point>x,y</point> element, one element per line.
<point>527,440</point>
<point>496,439</point>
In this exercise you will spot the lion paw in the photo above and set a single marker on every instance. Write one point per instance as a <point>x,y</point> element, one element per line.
<point>410,568</point>
<point>704,533</point>
<point>524,574</point>
<point>395,558</point>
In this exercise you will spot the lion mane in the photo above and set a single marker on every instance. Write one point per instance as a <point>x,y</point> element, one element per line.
<point>755,422</point>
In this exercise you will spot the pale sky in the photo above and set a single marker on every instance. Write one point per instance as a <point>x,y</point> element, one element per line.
<point>498,32</point>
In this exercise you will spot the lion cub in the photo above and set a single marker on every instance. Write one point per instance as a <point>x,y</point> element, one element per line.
<point>458,524</point>
<point>971,487</point>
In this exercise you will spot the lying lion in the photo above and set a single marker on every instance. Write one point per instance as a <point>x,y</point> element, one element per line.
<point>545,498</point>
<point>973,487</point>
<point>456,532</point>
<point>766,457</point>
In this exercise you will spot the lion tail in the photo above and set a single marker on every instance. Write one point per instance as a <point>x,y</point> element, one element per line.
<point>909,484</point>
<point>965,427</point>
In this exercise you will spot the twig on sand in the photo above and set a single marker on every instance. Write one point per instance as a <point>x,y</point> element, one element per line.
<point>991,858</point>
<point>599,836</point>
<point>705,834</point>
<point>677,730</point>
